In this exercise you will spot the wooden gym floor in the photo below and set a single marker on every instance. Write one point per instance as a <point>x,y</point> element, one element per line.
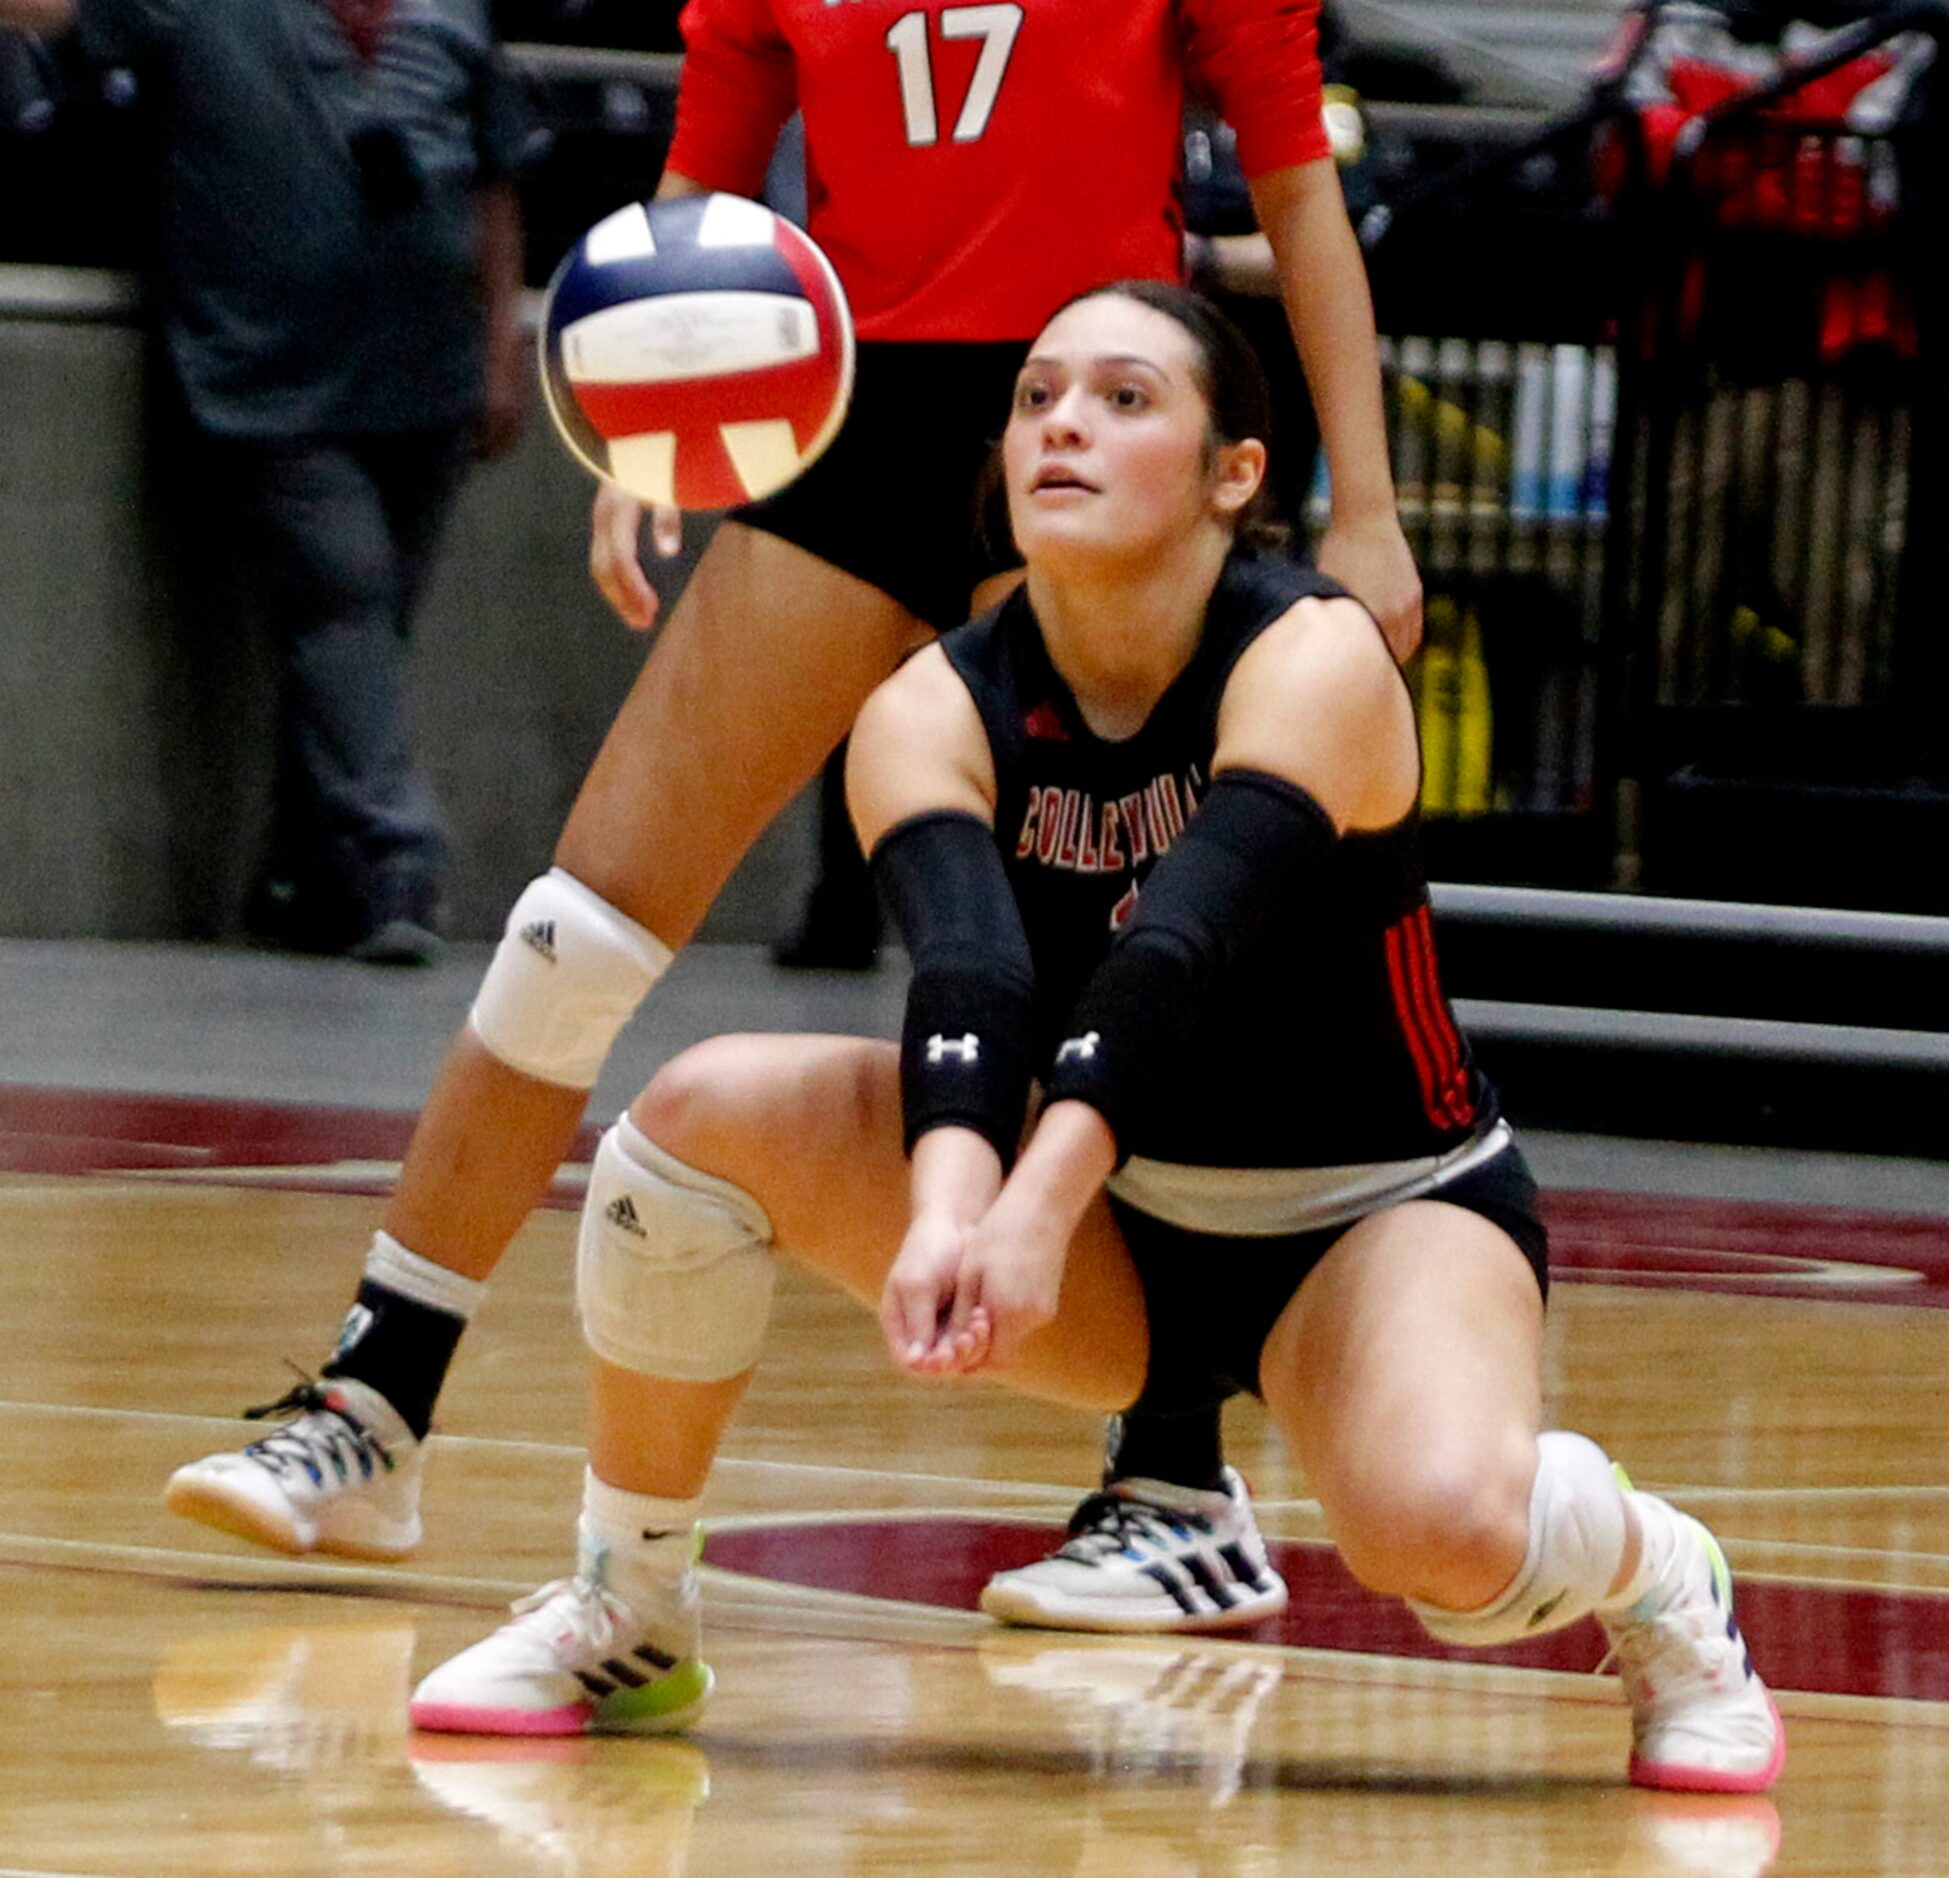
<point>193,1146</point>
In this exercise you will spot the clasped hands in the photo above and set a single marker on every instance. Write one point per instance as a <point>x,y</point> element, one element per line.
<point>981,1268</point>
<point>964,1295</point>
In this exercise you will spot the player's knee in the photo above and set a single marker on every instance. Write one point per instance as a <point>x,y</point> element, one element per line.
<point>1449,1524</point>
<point>674,1266</point>
<point>568,974</point>
<point>757,1102</point>
<point>692,1096</point>
<point>1574,1548</point>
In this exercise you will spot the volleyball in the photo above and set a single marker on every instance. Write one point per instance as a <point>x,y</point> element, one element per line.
<point>697,351</point>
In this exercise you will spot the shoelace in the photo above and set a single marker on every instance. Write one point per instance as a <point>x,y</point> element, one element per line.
<point>1672,1655</point>
<point>321,1434</point>
<point>594,1617</point>
<point>1107,1522</point>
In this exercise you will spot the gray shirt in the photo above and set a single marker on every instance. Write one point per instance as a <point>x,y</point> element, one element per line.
<point>318,232</point>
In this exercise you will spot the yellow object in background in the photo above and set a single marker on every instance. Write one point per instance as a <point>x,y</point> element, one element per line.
<point>1450,681</point>
<point>1444,455</point>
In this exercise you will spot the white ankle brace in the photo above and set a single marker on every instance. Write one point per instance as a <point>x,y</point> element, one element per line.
<point>1576,1543</point>
<point>391,1264</point>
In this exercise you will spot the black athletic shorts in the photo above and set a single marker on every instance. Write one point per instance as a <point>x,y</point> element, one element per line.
<point>896,499</point>
<point>1213,1299</point>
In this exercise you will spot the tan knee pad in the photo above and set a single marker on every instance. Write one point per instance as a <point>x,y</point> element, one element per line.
<point>1576,1544</point>
<point>567,976</point>
<point>674,1267</point>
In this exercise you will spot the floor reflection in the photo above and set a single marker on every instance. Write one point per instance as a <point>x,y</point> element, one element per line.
<point>587,1806</point>
<point>294,1699</point>
<point>1137,1708</point>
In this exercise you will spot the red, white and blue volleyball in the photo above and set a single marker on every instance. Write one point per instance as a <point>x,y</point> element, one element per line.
<point>697,351</point>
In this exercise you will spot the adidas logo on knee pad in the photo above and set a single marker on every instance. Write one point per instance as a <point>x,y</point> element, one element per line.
<point>674,1268</point>
<point>568,974</point>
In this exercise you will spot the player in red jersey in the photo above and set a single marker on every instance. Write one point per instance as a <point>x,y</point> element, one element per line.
<point>969,167</point>
<point>958,173</point>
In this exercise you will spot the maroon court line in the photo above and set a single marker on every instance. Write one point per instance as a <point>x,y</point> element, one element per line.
<point>1751,1248</point>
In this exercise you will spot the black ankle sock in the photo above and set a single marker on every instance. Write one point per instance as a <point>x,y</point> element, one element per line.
<point>1187,1449</point>
<point>399,1347</point>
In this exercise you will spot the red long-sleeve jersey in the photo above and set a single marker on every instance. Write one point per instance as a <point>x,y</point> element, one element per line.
<point>971,167</point>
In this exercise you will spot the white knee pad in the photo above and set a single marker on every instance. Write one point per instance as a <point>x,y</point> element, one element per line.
<point>674,1268</point>
<point>567,976</point>
<point>1576,1543</point>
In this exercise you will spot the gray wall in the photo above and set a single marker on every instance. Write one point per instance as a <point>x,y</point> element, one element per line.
<point>134,730</point>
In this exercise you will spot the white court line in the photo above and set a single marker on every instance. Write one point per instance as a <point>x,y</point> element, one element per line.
<point>841,1613</point>
<point>742,1602</point>
<point>1055,1493</point>
<point>1025,1499</point>
<point>392,1583</point>
<point>562,1450</point>
<point>1746,1542</point>
<point>1800,1493</point>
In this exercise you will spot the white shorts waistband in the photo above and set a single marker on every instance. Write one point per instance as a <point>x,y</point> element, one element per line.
<point>1267,1202</point>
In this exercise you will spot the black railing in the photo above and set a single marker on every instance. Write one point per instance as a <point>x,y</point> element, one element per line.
<point>1668,424</point>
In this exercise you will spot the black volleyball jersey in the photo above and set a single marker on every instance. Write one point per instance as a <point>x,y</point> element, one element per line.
<point>1329,1041</point>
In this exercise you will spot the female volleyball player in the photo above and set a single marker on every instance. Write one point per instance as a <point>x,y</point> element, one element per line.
<point>1149,831</point>
<point>963,184</point>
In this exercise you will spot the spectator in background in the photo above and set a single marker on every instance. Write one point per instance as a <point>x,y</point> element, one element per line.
<point>338,258</point>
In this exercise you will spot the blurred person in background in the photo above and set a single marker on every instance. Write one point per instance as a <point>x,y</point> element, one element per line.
<point>337,260</point>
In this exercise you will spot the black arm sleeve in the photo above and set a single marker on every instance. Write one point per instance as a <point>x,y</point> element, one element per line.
<point>965,1044</point>
<point>1206,900</point>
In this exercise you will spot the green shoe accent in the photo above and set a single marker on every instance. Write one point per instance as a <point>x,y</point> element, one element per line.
<point>1623,1479</point>
<point>660,1707</point>
<point>1721,1571</point>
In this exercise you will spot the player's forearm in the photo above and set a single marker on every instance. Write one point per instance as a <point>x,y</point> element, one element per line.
<point>1323,281</point>
<point>1069,1156</point>
<point>955,1175</point>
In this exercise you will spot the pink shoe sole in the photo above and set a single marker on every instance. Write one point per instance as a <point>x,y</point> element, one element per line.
<point>449,1718</point>
<point>1675,1777</point>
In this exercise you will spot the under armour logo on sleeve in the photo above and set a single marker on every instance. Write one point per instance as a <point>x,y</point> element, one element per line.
<point>1079,1049</point>
<point>965,1049</point>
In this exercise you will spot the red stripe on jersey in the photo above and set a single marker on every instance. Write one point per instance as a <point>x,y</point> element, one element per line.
<point>1405,1015</point>
<point>801,390</point>
<point>1445,1044</point>
<point>1425,930</point>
